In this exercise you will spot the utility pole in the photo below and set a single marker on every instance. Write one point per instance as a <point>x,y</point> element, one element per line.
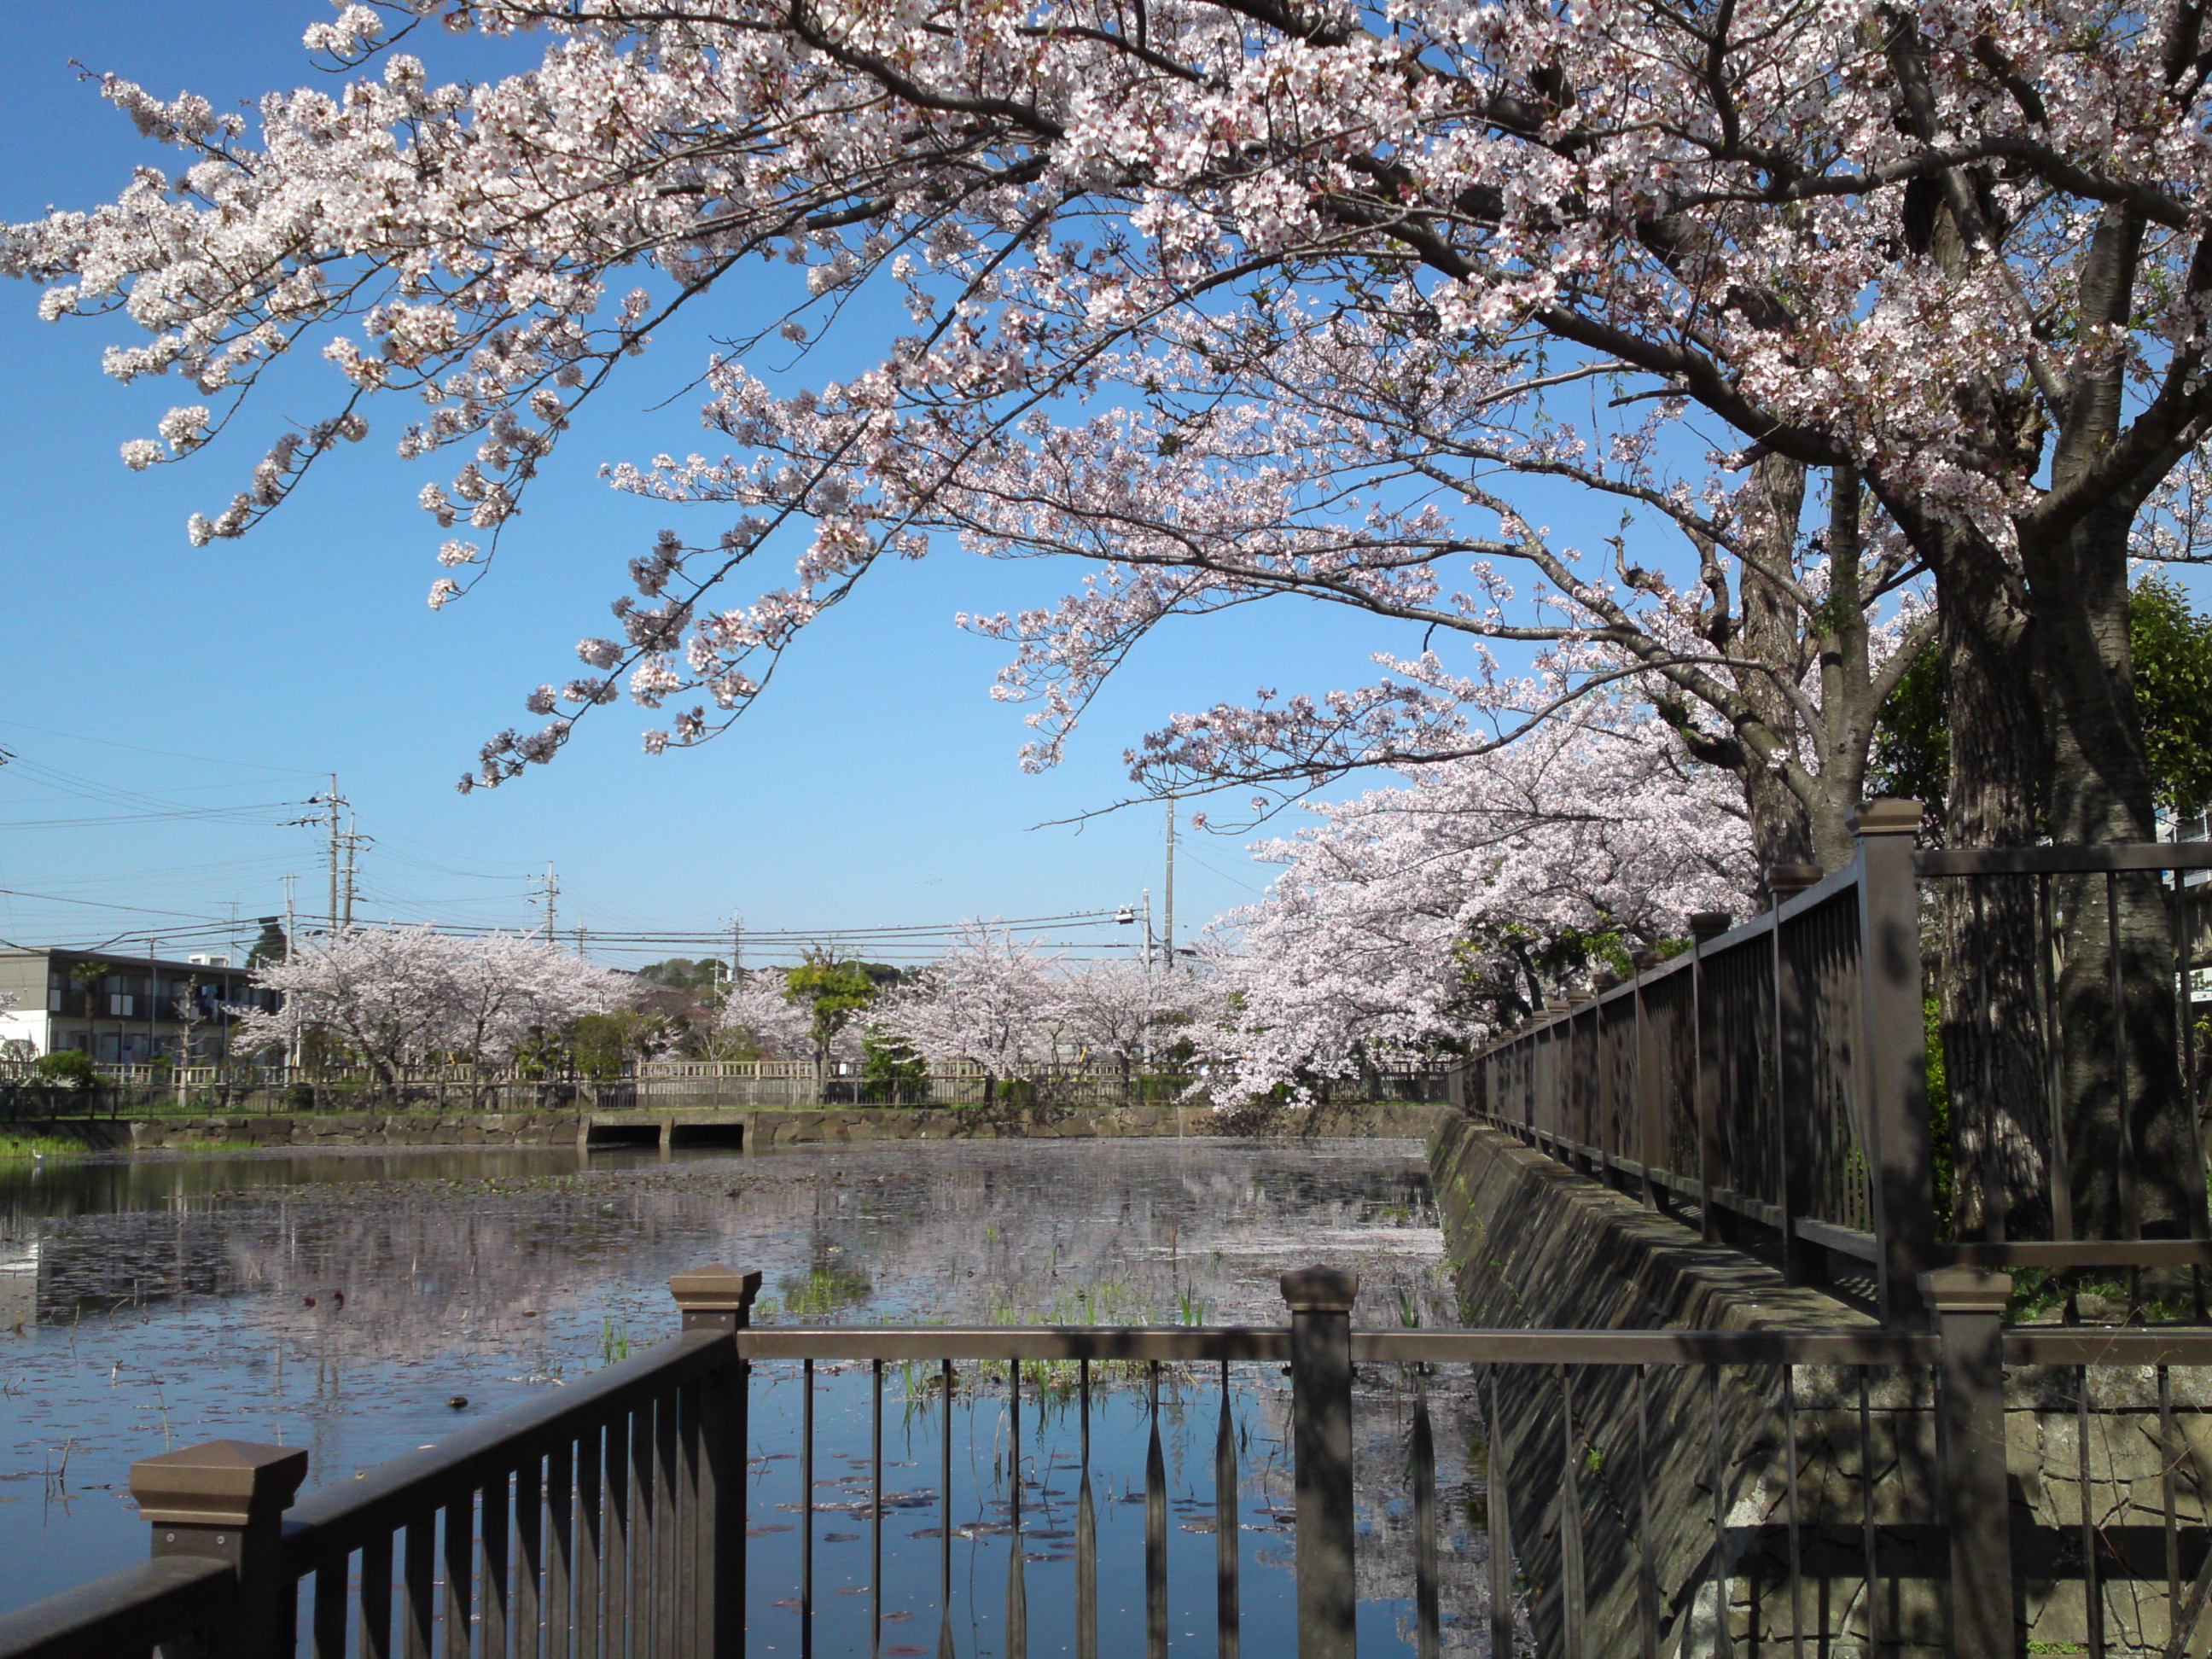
<point>1152,949</point>
<point>737,946</point>
<point>333,801</point>
<point>549,896</point>
<point>353,840</point>
<point>1167,932</point>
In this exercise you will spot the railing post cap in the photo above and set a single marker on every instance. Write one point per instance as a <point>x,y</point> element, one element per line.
<point>1886,817</point>
<point>218,1483</point>
<point>1320,1290</point>
<point>1709,924</point>
<point>1966,1290</point>
<point>1576,999</point>
<point>1645,959</point>
<point>717,1289</point>
<point>1787,880</point>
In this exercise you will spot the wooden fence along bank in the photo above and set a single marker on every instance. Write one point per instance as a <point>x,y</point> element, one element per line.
<point>1739,1394</point>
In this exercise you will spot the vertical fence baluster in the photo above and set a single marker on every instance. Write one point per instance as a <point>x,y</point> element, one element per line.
<point>645,1587</point>
<point>876,1507</point>
<point>1574,1588</point>
<point>1647,1576</point>
<point>1869,1539</point>
<point>1498,1507</point>
<point>1789,1496</point>
<point>2169,1455</point>
<point>529,1557</point>
<point>493,1608</point>
<point>2130,1194</point>
<point>418,1589</point>
<point>376,1597</point>
<point>694,1612</point>
<point>329,1629</point>
<point>559,1517</point>
<point>460,1540</point>
<point>1018,1598</point>
<point>1156,1532</point>
<point>1724,1638</point>
<point>1227,1602</point>
<point>944,1510</point>
<point>2062,1185</point>
<point>2093,1590</point>
<point>614,1571</point>
<point>1428,1639</point>
<point>1086,1536</point>
<point>591,1539</point>
<point>667,1526</point>
<point>1705,1073</point>
<point>806,1507</point>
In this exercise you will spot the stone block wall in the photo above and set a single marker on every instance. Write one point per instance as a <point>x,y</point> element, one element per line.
<point>564,1127</point>
<point>1622,1481</point>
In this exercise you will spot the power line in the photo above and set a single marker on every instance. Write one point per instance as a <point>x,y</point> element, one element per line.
<point>171,754</point>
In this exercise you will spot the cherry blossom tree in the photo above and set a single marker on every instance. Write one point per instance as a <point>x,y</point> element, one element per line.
<point>992,1001</point>
<point>404,997</point>
<point>758,1007</point>
<point>1919,254</point>
<point>1943,265</point>
<point>1119,1010</point>
<point>1425,917</point>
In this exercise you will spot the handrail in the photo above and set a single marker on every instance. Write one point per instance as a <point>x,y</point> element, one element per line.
<point>125,1612</point>
<point>1209,1343</point>
<point>1870,1347</point>
<point>1096,1342</point>
<point>2064,860</point>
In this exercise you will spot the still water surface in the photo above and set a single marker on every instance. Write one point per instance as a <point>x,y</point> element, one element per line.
<point>344,1301</point>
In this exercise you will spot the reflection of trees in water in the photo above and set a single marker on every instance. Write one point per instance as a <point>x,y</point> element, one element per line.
<point>1122,1232</point>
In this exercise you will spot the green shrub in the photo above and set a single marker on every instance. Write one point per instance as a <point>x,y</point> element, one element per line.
<point>71,1068</point>
<point>889,1071</point>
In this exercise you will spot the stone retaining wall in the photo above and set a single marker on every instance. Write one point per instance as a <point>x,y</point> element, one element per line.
<point>1531,1243</point>
<point>759,1129</point>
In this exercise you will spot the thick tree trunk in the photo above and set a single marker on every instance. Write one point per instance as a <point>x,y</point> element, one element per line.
<point>1986,931</point>
<point>2131,1157</point>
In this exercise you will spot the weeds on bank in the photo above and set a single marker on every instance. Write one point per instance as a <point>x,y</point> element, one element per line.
<point>2038,1290</point>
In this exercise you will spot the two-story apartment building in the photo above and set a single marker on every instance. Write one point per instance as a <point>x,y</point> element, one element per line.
<point>123,1010</point>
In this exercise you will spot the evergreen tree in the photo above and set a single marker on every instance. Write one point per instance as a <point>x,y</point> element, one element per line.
<point>272,946</point>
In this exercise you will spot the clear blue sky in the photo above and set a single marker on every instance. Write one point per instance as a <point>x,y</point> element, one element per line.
<point>877,783</point>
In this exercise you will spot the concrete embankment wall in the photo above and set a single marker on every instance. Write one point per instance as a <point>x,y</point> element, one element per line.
<point>1532,1244</point>
<point>703,1126</point>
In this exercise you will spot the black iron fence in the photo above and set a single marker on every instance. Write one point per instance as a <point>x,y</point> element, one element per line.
<point>1771,1080</point>
<point>1641,1492</point>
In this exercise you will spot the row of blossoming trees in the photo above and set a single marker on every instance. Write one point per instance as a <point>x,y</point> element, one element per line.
<point>1405,925</point>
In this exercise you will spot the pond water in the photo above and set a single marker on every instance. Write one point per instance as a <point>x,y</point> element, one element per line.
<point>362,1303</point>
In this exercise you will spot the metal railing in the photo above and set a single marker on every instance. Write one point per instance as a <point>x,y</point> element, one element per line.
<point>1773,1075</point>
<point>1641,1492</point>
